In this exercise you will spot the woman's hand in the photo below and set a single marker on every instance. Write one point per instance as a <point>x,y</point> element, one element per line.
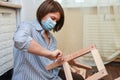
<point>57,54</point>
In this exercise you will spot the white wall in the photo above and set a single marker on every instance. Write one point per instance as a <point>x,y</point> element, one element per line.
<point>29,7</point>
<point>28,11</point>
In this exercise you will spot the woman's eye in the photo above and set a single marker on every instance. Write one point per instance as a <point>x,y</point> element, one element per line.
<point>53,18</point>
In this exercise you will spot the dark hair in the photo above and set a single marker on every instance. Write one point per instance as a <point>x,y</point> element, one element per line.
<point>51,6</point>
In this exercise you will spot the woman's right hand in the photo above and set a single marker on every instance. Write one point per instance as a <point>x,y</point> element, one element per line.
<point>56,54</point>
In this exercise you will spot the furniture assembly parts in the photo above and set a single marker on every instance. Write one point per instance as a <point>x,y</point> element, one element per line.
<point>66,59</point>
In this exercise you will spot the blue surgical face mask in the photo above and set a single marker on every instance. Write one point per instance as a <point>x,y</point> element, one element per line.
<point>48,24</point>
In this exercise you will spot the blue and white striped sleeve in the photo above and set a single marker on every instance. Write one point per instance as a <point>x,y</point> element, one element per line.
<point>22,36</point>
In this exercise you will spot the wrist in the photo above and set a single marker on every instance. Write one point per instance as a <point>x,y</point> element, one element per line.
<point>48,54</point>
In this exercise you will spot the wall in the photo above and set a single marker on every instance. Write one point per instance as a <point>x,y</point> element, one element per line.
<point>27,11</point>
<point>70,38</point>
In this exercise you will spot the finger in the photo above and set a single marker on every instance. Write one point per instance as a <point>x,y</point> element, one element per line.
<point>60,59</point>
<point>60,53</point>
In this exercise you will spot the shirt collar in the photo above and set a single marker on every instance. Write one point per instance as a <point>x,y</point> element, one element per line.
<point>37,25</point>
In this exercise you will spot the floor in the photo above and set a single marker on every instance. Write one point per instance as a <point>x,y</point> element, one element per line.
<point>113,69</point>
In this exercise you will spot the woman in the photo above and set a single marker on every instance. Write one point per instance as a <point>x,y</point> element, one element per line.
<point>35,46</point>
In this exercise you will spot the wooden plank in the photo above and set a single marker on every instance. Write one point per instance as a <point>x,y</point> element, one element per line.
<point>97,59</point>
<point>117,78</point>
<point>83,72</point>
<point>78,70</point>
<point>70,57</point>
<point>100,66</point>
<point>8,4</point>
<point>98,75</point>
<point>67,71</point>
<point>117,60</point>
<point>81,65</point>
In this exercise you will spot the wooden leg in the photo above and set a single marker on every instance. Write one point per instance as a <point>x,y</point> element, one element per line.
<point>80,71</point>
<point>100,66</point>
<point>117,78</point>
<point>98,75</point>
<point>97,59</point>
<point>67,71</point>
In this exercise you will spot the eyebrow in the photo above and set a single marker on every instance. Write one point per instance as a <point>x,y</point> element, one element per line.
<point>55,18</point>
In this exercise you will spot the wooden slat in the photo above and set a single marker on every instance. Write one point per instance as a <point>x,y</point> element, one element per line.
<point>100,66</point>
<point>67,71</point>
<point>71,57</point>
<point>117,78</point>
<point>98,75</point>
<point>8,4</point>
<point>81,65</point>
<point>117,60</point>
<point>97,59</point>
<point>78,70</point>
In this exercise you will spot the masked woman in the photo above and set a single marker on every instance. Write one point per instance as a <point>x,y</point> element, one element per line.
<point>35,47</point>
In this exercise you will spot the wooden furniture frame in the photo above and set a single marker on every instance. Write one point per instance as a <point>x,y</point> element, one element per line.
<point>100,66</point>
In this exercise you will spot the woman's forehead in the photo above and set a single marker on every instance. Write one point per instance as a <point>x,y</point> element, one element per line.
<point>55,14</point>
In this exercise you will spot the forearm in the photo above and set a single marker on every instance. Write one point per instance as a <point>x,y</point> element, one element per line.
<point>37,49</point>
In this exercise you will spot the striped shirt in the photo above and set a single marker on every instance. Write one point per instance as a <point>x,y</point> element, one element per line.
<point>28,66</point>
